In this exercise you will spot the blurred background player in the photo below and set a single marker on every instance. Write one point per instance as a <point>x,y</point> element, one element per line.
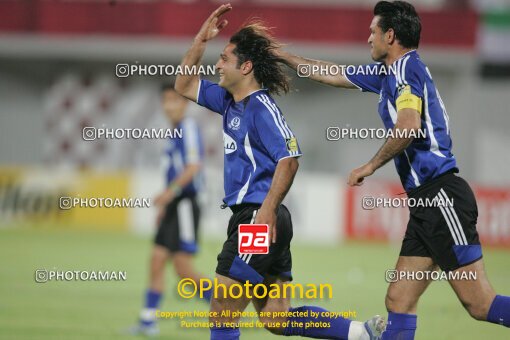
<point>178,208</point>
<point>440,236</point>
<point>261,160</point>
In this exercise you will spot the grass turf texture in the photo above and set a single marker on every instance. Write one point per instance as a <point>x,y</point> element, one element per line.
<point>101,310</point>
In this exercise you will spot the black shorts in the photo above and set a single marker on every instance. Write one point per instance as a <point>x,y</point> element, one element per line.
<point>445,232</point>
<point>178,230</point>
<point>255,267</point>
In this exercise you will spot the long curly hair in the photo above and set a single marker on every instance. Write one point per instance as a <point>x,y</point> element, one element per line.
<point>255,43</point>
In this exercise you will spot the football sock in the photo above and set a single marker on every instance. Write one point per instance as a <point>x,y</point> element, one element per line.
<point>500,311</point>
<point>400,326</point>
<point>148,313</point>
<point>225,333</point>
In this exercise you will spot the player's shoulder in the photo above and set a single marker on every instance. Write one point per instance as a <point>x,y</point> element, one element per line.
<point>411,65</point>
<point>263,103</point>
<point>408,69</point>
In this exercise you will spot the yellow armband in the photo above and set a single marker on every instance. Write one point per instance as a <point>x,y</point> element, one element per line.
<point>409,101</point>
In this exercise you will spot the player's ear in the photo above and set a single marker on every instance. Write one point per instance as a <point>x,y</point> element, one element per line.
<point>389,36</point>
<point>246,67</point>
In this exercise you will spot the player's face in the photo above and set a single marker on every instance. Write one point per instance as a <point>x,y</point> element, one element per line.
<point>379,48</point>
<point>230,73</point>
<point>173,105</point>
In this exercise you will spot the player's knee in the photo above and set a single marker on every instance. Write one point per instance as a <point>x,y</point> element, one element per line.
<point>399,304</point>
<point>159,255</point>
<point>391,301</point>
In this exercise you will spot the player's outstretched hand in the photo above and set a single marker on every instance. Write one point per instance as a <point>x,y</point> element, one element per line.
<point>211,27</point>
<point>357,175</point>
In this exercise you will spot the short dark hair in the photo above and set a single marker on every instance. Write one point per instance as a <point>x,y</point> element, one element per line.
<point>402,18</point>
<point>255,43</point>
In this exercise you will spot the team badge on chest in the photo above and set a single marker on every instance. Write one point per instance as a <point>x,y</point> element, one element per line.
<point>235,123</point>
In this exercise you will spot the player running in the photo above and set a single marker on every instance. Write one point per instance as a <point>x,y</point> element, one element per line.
<point>178,209</point>
<point>443,236</point>
<point>261,160</point>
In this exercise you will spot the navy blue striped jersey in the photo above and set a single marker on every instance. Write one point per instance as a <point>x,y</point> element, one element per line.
<point>255,137</point>
<point>183,151</point>
<point>408,83</point>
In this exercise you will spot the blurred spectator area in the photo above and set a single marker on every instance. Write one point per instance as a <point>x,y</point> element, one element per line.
<point>78,100</point>
<point>57,75</point>
<point>320,21</point>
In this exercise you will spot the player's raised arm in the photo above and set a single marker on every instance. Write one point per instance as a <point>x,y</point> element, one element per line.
<point>187,85</point>
<point>312,67</point>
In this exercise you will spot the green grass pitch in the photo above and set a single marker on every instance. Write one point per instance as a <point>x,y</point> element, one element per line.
<point>101,310</point>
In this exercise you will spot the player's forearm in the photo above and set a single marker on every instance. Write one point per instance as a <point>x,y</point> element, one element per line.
<point>318,70</point>
<point>282,181</point>
<point>391,148</point>
<point>186,177</point>
<point>407,125</point>
<point>187,84</point>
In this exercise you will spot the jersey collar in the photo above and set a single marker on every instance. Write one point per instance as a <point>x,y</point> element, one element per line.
<point>251,93</point>
<point>246,99</point>
<point>402,57</point>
